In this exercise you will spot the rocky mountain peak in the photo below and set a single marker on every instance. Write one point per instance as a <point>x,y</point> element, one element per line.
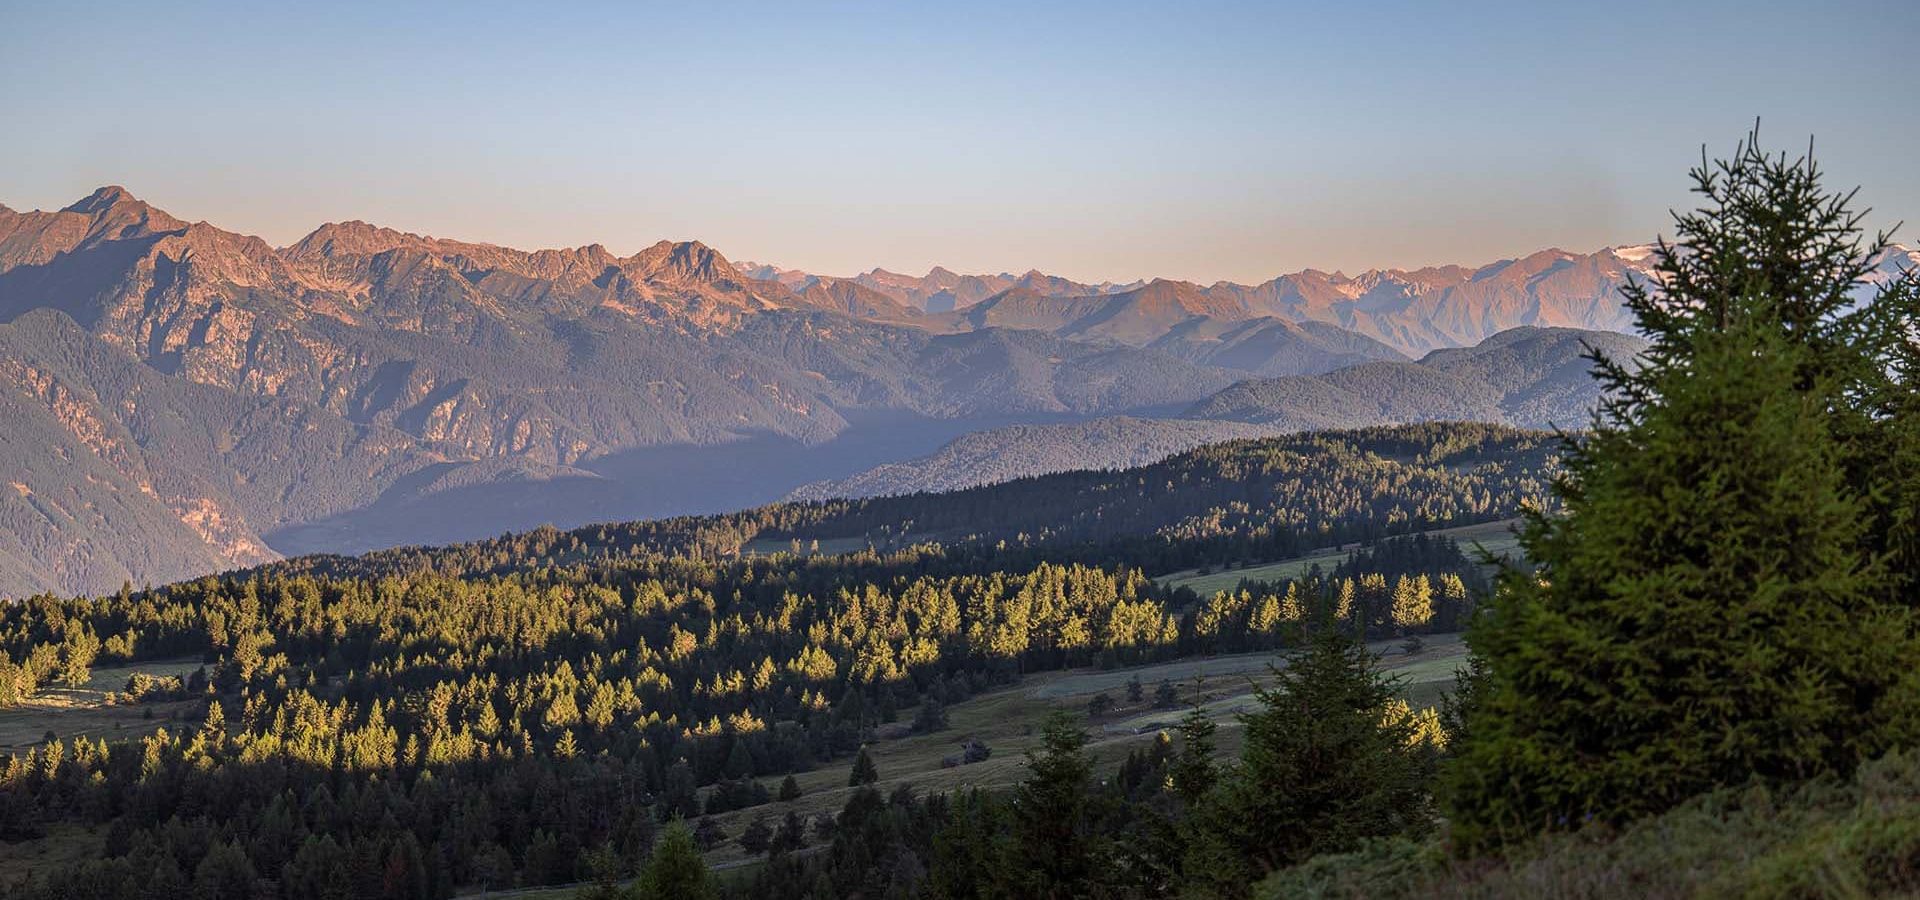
<point>352,237</point>
<point>683,261</point>
<point>116,212</point>
<point>102,199</point>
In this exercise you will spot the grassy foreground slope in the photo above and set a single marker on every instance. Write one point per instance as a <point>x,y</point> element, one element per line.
<point>1858,838</point>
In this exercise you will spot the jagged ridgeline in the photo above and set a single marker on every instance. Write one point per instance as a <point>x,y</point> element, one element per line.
<point>181,399</point>
<point>1244,500</point>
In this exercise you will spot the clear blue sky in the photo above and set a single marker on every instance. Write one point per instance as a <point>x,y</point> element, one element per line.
<point>1096,140</point>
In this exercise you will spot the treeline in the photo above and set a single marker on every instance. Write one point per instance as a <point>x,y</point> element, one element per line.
<point>1244,500</point>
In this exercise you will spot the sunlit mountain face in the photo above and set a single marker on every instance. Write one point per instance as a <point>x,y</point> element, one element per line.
<point>181,398</point>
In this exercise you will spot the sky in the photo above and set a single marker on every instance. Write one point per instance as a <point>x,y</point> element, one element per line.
<point>1097,140</point>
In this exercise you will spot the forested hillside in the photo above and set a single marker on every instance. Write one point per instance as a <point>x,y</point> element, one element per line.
<point>1236,501</point>
<point>501,712</point>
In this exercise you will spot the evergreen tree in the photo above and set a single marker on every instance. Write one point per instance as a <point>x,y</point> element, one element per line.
<point>1194,772</point>
<point>707,833</point>
<point>77,652</point>
<point>1412,603</point>
<point>789,789</point>
<point>224,874</point>
<point>864,771</point>
<point>932,716</point>
<point>1712,606</point>
<point>1166,696</point>
<point>1893,402</point>
<point>675,871</point>
<point>792,834</point>
<point>1052,851</point>
<point>758,836</point>
<point>1325,766</point>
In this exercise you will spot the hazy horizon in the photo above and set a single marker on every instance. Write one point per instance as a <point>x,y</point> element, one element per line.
<point>1215,142</point>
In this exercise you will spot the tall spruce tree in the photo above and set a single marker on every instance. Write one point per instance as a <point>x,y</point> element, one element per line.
<point>1714,603</point>
<point>1194,772</point>
<point>1893,400</point>
<point>864,772</point>
<point>1053,850</point>
<point>1324,766</point>
<point>675,871</point>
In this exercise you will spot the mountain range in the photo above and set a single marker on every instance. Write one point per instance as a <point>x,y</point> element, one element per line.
<point>1527,377</point>
<point>179,398</point>
<point>1411,312</point>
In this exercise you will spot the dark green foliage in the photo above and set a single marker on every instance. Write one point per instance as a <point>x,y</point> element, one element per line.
<point>1326,777</point>
<point>876,852</point>
<point>1195,772</point>
<point>1165,695</point>
<point>965,856</point>
<point>1713,605</point>
<point>931,717</point>
<point>757,838</point>
<point>1256,499</point>
<point>1326,764</point>
<point>791,836</point>
<point>1823,838</point>
<point>789,789</point>
<point>707,833</point>
<point>675,871</point>
<point>1052,849</point>
<point>864,771</point>
<point>1891,394</point>
<point>1458,706</point>
<point>224,874</point>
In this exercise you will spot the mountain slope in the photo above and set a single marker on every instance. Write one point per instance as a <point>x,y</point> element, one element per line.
<point>257,391</point>
<point>1410,311</point>
<point>1529,377</point>
<point>1022,451</point>
<point>1183,321</point>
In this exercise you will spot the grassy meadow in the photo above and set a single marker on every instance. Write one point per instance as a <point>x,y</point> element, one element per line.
<point>1496,538</point>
